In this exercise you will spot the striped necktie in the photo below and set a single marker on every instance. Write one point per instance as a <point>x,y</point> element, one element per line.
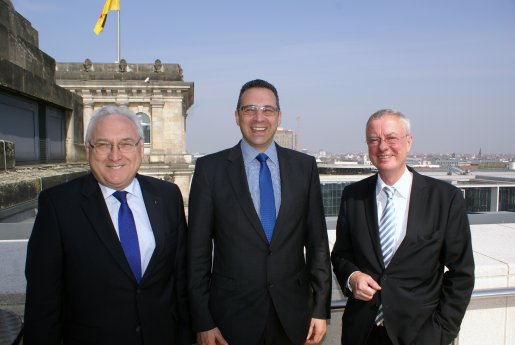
<point>386,237</point>
<point>387,226</point>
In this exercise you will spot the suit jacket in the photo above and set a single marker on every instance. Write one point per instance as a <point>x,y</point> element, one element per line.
<point>422,303</point>
<point>80,289</point>
<point>233,285</point>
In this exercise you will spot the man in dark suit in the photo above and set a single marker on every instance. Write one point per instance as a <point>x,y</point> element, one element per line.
<point>258,259</point>
<point>403,251</point>
<point>106,257</point>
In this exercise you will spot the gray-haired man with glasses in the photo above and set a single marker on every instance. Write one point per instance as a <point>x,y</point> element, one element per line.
<point>258,257</point>
<point>106,257</point>
<point>403,252</point>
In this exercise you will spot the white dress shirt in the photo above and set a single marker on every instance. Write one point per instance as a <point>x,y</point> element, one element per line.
<point>400,201</point>
<point>146,240</point>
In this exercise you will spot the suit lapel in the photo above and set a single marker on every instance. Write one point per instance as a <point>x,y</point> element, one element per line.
<point>371,216</point>
<point>240,186</point>
<point>418,198</point>
<point>288,183</point>
<point>155,211</point>
<point>94,206</point>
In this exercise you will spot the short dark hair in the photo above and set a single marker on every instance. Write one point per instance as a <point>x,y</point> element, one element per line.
<point>255,84</point>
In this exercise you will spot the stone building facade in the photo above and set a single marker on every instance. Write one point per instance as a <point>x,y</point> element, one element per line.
<point>45,106</point>
<point>41,119</point>
<point>156,92</point>
<point>159,96</point>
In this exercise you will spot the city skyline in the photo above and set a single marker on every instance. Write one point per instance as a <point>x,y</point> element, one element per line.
<point>449,66</point>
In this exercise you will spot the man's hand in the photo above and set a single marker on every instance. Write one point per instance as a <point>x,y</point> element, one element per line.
<point>363,286</point>
<point>316,332</point>
<point>211,337</point>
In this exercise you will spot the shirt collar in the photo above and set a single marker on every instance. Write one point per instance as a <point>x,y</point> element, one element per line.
<point>402,186</point>
<point>250,153</point>
<point>133,188</point>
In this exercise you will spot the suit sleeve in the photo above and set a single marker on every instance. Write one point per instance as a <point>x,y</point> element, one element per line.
<point>200,247</point>
<point>458,280</point>
<point>185,334</point>
<point>44,273</point>
<point>342,255</point>
<point>317,253</point>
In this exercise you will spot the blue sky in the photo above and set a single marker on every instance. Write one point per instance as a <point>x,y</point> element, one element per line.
<point>449,65</point>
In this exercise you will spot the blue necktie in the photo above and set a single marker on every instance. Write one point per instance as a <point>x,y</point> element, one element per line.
<point>128,234</point>
<point>266,198</point>
<point>386,237</point>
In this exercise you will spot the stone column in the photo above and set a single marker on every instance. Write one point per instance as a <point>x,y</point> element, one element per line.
<point>122,99</point>
<point>71,140</point>
<point>158,137</point>
<point>7,160</point>
<point>88,113</point>
<point>175,135</point>
<point>182,178</point>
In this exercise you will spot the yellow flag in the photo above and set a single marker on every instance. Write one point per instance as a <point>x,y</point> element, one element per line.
<point>110,5</point>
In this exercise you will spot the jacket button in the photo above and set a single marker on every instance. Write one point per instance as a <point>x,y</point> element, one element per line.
<point>138,329</point>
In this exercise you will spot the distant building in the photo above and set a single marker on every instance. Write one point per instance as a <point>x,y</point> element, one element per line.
<point>286,138</point>
<point>484,191</point>
<point>411,161</point>
<point>452,162</point>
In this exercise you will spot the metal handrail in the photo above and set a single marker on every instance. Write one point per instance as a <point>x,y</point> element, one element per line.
<point>476,294</point>
<point>502,292</point>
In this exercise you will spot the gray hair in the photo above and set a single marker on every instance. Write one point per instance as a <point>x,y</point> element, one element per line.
<point>390,112</point>
<point>112,110</point>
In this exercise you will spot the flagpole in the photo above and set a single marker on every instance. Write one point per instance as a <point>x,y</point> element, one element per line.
<point>118,40</point>
<point>110,5</point>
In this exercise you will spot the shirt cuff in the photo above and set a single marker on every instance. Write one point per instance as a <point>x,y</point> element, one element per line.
<point>347,285</point>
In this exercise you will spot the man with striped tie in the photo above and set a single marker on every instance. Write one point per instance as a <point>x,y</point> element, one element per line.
<point>403,252</point>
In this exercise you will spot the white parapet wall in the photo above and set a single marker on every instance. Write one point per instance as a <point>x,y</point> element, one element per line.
<point>489,320</point>
<point>13,251</point>
<point>12,267</point>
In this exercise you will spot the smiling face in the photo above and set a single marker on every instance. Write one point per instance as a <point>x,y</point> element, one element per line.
<point>388,147</point>
<point>114,169</point>
<point>258,129</point>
